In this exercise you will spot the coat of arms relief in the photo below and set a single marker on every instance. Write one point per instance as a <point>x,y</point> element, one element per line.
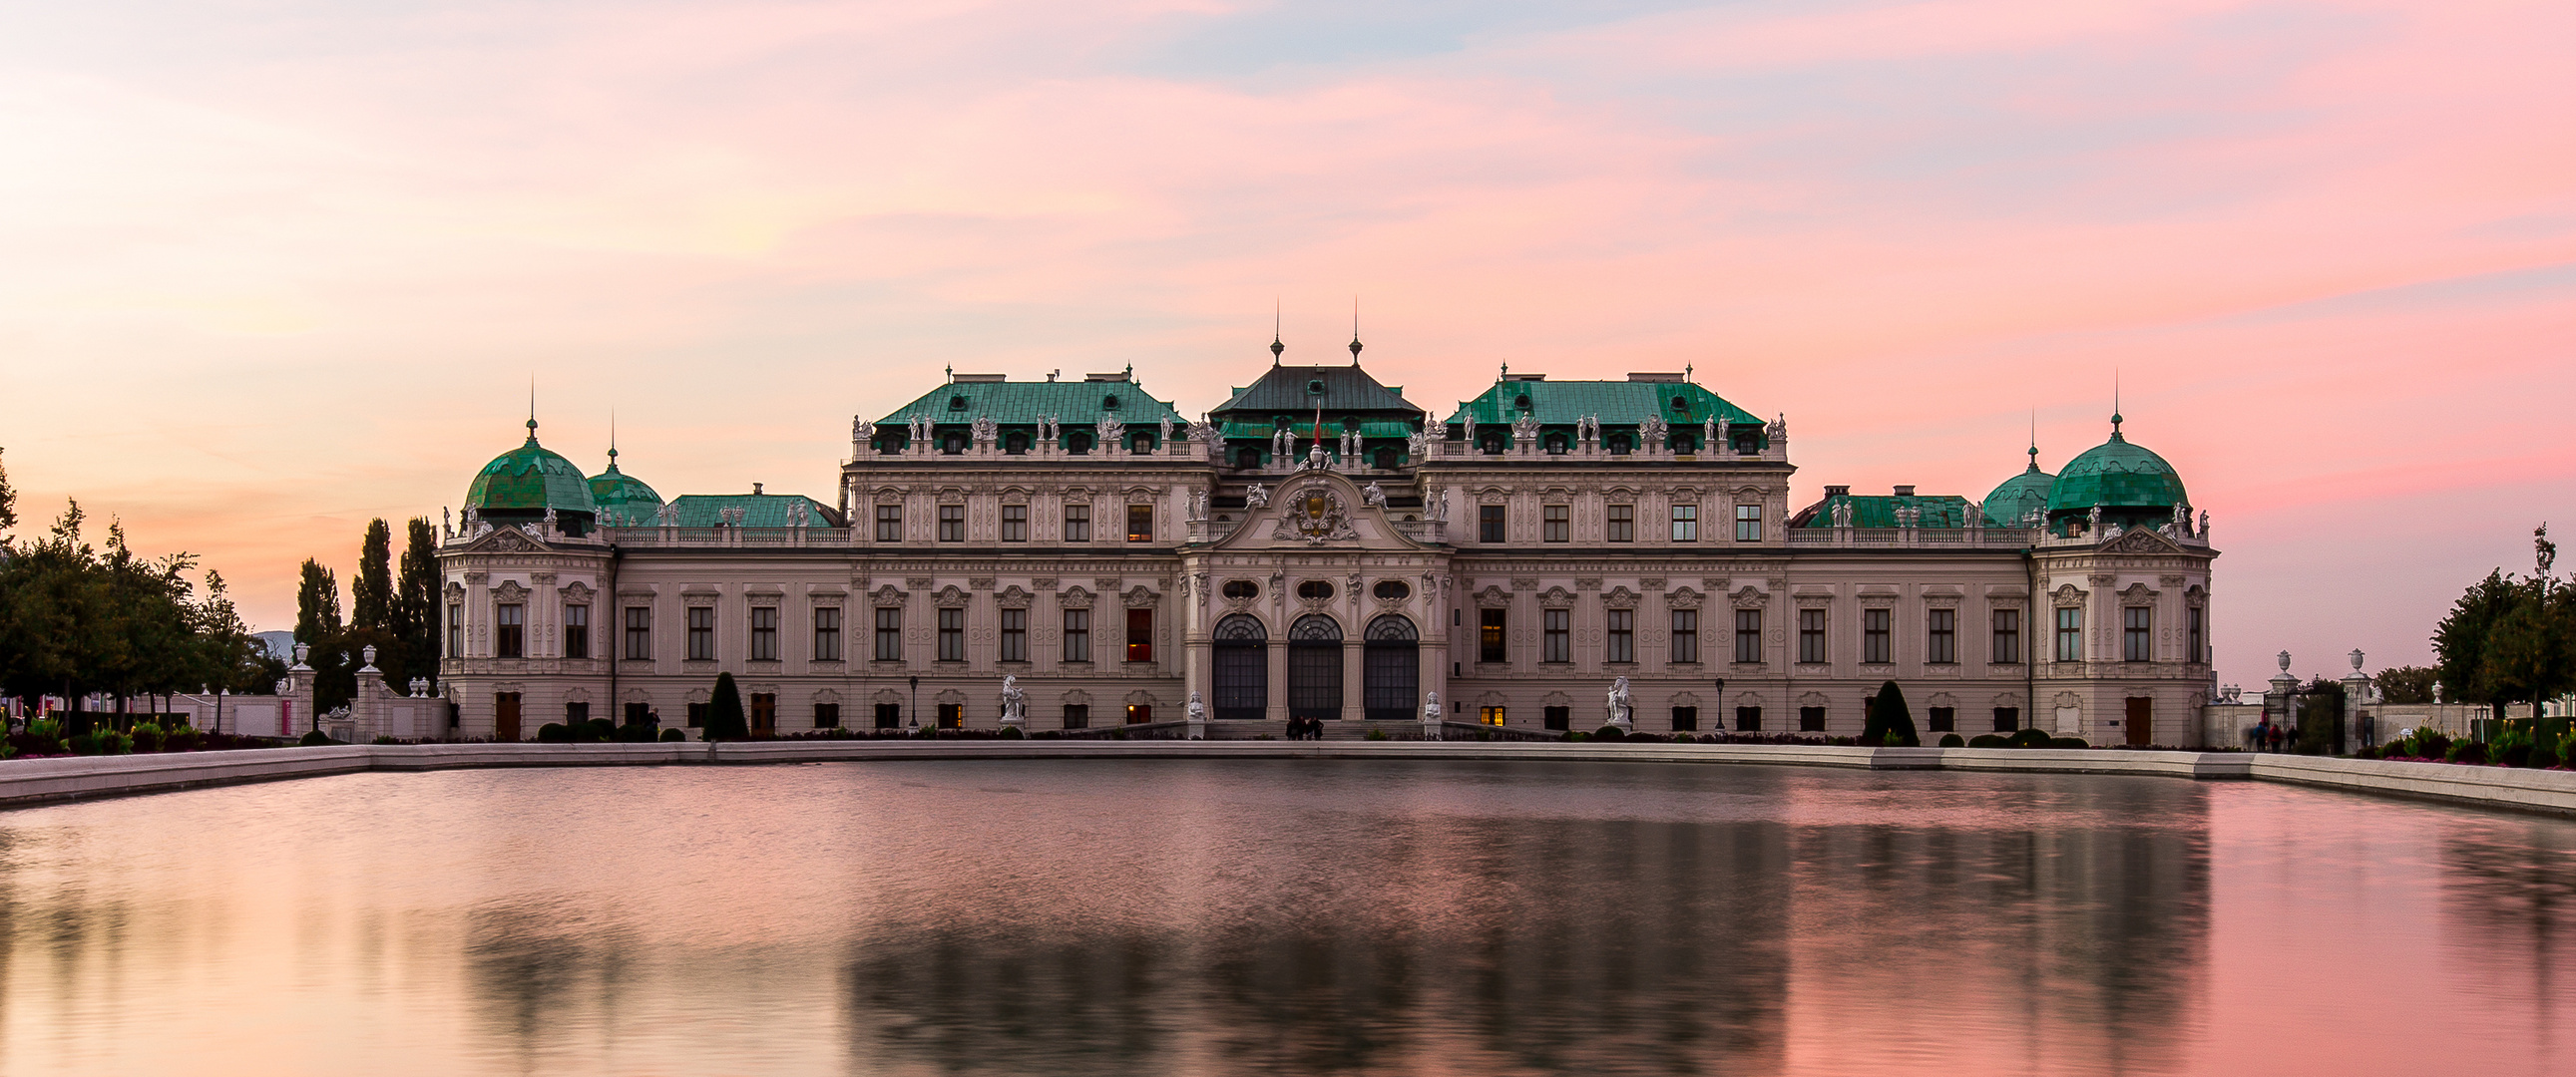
<point>1313,512</point>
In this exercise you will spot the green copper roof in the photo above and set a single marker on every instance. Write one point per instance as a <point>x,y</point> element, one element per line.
<point>1020,403</point>
<point>1298,390</point>
<point>2019,495</point>
<point>758,510</point>
<point>1615,403</point>
<point>623,498</point>
<point>530,479</point>
<point>1869,510</point>
<point>2116,474</point>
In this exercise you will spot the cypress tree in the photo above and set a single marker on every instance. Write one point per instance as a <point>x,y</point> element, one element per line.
<point>416,613</point>
<point>724,712</point>
<point>318,627</point>
<point>1889,715</point>
<point>8,502</point>
<point>371,595</point>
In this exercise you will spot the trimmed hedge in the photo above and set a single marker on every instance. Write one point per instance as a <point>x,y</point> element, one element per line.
<point>1953,740</point>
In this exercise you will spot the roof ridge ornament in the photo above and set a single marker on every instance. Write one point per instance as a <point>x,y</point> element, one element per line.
<point>1355,330</point>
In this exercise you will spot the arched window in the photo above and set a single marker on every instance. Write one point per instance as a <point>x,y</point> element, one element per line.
<point>1242,670</point>
<point>1315,667</point>
<point>1390,669</point>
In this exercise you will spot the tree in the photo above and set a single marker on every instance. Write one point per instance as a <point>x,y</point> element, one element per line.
<point>318,627</point>
<point>8,503</point>
<point>1887,714</point>
<point>2320,707</point>
<point>371,594</point>
<point>2407,684</point>
<point>724,712</point>
<point>2460,641</point>
<point>60,642</point>
<point>415,609</point>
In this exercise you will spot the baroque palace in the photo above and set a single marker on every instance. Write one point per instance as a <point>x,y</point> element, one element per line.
<point>1321,547</point>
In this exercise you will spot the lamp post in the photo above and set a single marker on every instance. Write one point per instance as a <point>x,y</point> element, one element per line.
<point>1717,713</point>
<point>916,701</point>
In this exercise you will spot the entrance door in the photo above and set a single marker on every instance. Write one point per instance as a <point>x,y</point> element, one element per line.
<point>764,714</point>
<point>505,716</point>
<point>1390,669</point>
<point>2141,721</point>
<point>1315,667</point>
<point>1242,657</point>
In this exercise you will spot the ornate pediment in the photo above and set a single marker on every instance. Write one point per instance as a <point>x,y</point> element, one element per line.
<point>1012,598</point>
<point>1076,599</point>
<point>507,540</point>
<point>1749,597</point>
<point>1138,597</point>
<point>1620,598</point>
<point>1493,597</point>
<point>510,591</point>
<point>2141,540</point>
<point>577,591</point>
<point>1683,599</point>
<point>890,595</point>
<point>950,596</point>
<point>1313,512</point>
<point>1556,598</point>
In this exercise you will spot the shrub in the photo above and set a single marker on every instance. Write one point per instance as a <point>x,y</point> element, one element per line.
<point>1576,736</point>
<point>2366,753</point>
<point>2030,738</point>
<point>182,738</point>
<point>1012,732</point>
<point>2544,753</point>
<point>315,739</point>
<point>1058,734</point>
<point>724,712</point>
<point>2467,751</point>
<point>2428,744</point>
<point>554,733</point>
<point>1609,733</point>
<point>2511,748</point>
<point>1889,721</point>
<point>1953,740</point>
<point>100,741</point>
<point>384,740</point>
<point>639,733</point>
<point>674,734</point>
<point>2067,742</point>
<point>1986,740</point>
<point>1377,734</point>
<point>147,736</point>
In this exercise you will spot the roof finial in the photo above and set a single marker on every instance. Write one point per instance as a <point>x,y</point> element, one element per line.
<point>612,439</point>
<point>1506,375</point>
<point>532,409</point>
<point>1686,371</point>
<point>2034,439</point>
<point>1275,346</point>
<point>951,371</point>
<point>2115,404</point>
<point>1355,330</point>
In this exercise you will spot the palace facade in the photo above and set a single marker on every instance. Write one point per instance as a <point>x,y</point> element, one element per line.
<point>1319,546</point>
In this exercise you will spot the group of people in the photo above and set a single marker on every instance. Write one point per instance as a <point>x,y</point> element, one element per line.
<point>1305,729</point>
<point>2266,737</point>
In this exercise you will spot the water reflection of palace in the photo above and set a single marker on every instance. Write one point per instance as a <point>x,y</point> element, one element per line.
<point>1319,546</point>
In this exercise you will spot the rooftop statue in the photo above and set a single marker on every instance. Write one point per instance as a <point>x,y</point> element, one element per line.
<point>1373,494</point>
<point>1257,497</point>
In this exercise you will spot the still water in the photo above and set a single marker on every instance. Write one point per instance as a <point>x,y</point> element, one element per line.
<point>1224,917</point>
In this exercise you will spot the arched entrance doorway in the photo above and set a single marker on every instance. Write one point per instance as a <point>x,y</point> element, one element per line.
<point>1315,667</point>
<point>1242,669</point>
<point>1390,668</point>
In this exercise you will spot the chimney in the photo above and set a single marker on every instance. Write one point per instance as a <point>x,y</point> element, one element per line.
<point>1837,491</point>
<point>1904,491</point>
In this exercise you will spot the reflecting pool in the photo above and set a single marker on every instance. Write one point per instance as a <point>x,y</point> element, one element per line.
<point>1289,916</point>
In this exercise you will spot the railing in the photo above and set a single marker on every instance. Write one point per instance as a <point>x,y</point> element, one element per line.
<point>1179,730</point>
<point>1985,538</point>
<point>771,537</point>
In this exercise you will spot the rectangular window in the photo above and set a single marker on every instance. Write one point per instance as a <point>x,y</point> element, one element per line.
<point>2007,637</point>
<point>639,632</point>
<point>1556,635</point>
<point>1811,719</point>
<point>827,716</point>
<point>1748,719</point>
<point>1685,636</point>
<point>1620,524</point>
<point>1015,523</point>
<point>952,716</point>
<point>1015,637</point>
<point>1686,523</point>
<point>1140,523</point>
<point>1811,636</point>
<point>764,633</point>
<point>576,713</point>
<point>2195,635</point>
<point>1556,718</point>
<point>1945,720</point>
<point>510,632</point>
<point>455,630</point>
<point>1559,521</point>
<point>827,633</point>
<point>1623,636</point>
<point>576,633</point>
<point>889,634</point>
<point>2137,634</point>
<point>697,715</point>
<point>1748,636</point>
<point>1685,719</point>
<point>1489,715</point>
<point>1077,635</point>
<point>702,633</point>
<point>1139,713</point>
<point>889,715</point>
<point>1875,646</point>
<point>952,635</point>
<point>2070,634</point>
<point>1489,523</point>
<point>1077,523</point>
<point>640,714</point>
<point>1941,637</point>
<point>952,523</point>
<point>1077,716</point>
<point>889,523</point>
<point>2007,719</point>
<point>1748,523</point>
<point>1489,635</point>
<point>1140,635</point>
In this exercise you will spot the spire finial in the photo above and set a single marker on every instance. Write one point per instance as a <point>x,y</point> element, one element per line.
<point>1355,330</point>
<point>2115,402</point>
<point>2034,439</point>
<point>532,409</point>
<point>1275,346</point>
<point>612,439</point>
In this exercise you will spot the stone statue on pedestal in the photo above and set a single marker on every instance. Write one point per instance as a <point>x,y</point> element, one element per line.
<point>1373,494</point>
<point>1622,705</point>
<point>1014,703</point>
<point>1257,497</point>
<point>1197,710</point>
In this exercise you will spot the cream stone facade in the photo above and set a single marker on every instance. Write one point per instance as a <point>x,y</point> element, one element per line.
<point>1320,547</point>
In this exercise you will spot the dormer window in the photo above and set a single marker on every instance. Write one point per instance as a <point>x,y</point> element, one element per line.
<point>1556,444</point>
<point>1681,403</point>
<point>1315,387</point>
<point>956,403</point>
<point>1522,402</point>
<point>1109,403</point>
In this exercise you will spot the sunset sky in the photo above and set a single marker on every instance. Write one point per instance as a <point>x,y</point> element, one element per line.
<point>269,268</point>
